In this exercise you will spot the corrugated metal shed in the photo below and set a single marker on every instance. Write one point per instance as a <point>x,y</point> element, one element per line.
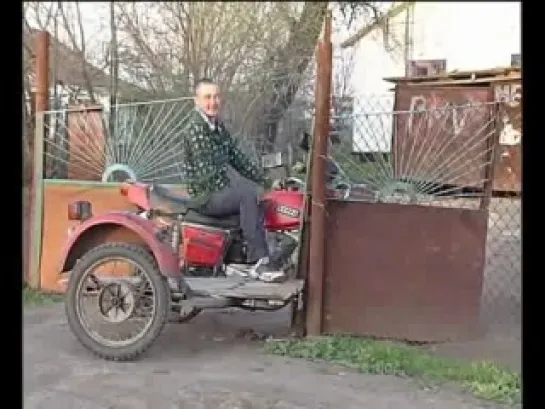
<point>504,85</point>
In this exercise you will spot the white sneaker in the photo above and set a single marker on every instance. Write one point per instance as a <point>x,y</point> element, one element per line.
<point>240,270</point>
<point>264,271</point>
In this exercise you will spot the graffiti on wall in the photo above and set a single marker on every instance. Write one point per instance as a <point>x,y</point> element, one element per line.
<point>511,96</point>
<point>509,135</point>
<point>450,125</point>
<point>444,113</point>
<point>440,112</point>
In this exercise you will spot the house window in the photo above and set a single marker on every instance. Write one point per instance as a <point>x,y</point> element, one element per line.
<point>421,71</point>
<point>515,60</point>
<point>425,68</point>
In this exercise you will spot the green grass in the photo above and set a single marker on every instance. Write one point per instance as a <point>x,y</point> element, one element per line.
<point>484,380</point>
<point>35,298</point>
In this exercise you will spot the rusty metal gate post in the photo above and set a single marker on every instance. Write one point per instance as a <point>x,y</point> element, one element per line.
<point>315,278</point>
<point>41,84</point>
<point>492,143</point>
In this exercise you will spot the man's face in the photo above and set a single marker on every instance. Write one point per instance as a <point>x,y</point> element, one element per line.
<point>208,99</point>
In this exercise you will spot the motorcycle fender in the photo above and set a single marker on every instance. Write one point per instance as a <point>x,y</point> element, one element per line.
<point>122,227</point>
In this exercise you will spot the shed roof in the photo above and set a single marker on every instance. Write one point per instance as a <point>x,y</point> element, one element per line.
<point>473,77</point>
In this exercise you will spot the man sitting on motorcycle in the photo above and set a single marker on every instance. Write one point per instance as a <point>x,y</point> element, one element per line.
<point>209,149</point>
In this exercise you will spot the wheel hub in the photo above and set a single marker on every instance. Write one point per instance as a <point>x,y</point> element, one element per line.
<point>117,302</point>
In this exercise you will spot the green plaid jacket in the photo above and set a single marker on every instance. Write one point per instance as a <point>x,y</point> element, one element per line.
<point>208,150</point>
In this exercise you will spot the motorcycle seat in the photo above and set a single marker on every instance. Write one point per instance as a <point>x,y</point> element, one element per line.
<point>173,201</point>
<point>228,222</point>
<point>169,200</point>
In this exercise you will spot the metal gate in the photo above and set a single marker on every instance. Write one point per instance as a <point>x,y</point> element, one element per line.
<point>406,259</point>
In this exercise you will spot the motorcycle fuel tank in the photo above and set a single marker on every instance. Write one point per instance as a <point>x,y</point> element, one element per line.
<point>284,209</point>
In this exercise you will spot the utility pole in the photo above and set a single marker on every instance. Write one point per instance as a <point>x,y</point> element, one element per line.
<point>409,35</point>
<point>114,65</point>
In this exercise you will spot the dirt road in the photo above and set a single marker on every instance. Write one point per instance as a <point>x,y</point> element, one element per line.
<point>206,364</point>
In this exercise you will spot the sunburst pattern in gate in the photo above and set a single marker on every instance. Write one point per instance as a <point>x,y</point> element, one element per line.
<point>419,155</point>
<point>139,140</point>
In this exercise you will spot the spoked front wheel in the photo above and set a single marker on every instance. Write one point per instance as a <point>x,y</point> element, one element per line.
<point>117,317</point>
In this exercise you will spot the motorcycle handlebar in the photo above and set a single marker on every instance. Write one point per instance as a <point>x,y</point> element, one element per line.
<point>332,169</point>
<point>336,180</point>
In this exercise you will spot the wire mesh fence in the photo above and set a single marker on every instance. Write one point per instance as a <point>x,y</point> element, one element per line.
<point>444,157</point>
<point>502,295</point>
<point>97,144</point>
<point>429,156</point>
<point>143,141</point>
<point>502,292</point>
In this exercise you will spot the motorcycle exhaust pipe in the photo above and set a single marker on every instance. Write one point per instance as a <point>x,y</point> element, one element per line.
<point>211,303</point>
<point>204,302</point>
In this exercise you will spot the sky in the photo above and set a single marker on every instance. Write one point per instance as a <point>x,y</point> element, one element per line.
<point>96,16</point>
<point>96,24</point>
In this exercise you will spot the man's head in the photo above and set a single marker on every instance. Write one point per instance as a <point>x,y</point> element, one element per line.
<point>207,97</point>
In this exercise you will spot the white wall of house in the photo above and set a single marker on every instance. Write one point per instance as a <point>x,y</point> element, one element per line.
<point>470,36</point>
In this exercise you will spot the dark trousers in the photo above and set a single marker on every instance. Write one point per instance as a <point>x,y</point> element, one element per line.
<point>241,197</point>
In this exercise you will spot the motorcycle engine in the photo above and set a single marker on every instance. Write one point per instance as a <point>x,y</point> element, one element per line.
<point>237,252</point>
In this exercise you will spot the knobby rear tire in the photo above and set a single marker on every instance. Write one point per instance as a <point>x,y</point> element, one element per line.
<point>141,257</point>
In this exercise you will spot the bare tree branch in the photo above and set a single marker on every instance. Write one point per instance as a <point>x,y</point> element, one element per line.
<point>260,53</point>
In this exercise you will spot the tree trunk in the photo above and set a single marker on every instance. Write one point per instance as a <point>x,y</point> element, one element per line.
<point>284,81</point>
<point>114,65</point>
